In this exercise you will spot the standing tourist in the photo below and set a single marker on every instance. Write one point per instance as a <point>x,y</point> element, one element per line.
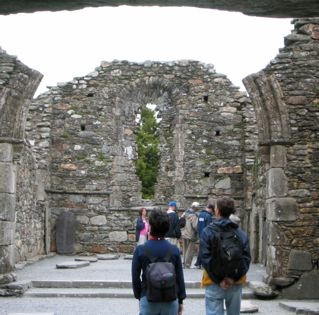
<point>160,250</point>
<point>174,233</point>
<point>189,234</point>
<point>225,270</point>
<point>142,227</point>
<point>205,217</point>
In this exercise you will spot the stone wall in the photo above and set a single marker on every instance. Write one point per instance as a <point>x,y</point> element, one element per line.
<point>83,135</point>
<point>17,85</point>
<point>30,218</point>
<point>286,98</point>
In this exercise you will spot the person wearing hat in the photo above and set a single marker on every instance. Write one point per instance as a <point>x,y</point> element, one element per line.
<point>174,233</point>
<point>189,234</point>
<point>205,217</point>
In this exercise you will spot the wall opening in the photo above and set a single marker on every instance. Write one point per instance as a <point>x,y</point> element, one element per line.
<point>147,140</point>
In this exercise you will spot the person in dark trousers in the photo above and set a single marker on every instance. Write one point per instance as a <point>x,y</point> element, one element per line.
<point>159,247</point>
<point>226,288</point>
<point>174,233</point>
<point>205,217</point>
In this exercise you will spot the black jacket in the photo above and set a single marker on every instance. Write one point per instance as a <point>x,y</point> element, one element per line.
<point>207,239</point>
<point>174,228</point>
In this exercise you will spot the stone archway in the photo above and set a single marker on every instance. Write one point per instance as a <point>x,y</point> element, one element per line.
<point>17,86</point>
<point>285,98</point>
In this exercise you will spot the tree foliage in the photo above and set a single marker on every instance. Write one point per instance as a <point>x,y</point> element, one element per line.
<point>147,163</point>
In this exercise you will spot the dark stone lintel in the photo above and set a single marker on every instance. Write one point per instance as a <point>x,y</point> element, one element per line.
<point>77,192</point>
<point>275,142</point>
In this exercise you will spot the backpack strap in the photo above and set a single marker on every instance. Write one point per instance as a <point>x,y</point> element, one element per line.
<point>152,258</point>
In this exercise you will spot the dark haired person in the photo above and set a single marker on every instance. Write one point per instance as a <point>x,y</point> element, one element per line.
<point>174,232</point>
<point>220,288</point>
<point>142,227</point>
<point>205,217</point>
<point>159,247</point>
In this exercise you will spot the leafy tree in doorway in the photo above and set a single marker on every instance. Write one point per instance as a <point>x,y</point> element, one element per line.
<point>147,163</point>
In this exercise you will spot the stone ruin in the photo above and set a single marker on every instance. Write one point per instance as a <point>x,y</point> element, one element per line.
<point>67,157</point>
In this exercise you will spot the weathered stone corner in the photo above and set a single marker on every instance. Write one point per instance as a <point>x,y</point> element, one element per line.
<point>282,209</point>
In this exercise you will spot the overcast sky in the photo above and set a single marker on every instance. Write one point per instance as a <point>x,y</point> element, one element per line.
<point>64,45</point>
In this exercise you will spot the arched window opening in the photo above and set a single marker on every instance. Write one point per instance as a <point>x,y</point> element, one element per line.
<point>147,139</point>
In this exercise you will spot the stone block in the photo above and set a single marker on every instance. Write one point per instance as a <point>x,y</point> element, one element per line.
<point>90,259</point>
<point>65,233</point>
<point>300,260</point>
<point>7,207</point>
<point>7,230</point>
<point>7,178</point>
<point>305,288</point>
<point>276,183</point>
<point>224,183</point>
<point>278,156</point>
<point>72,264</point>
<point>118,236</point>
<point>41,178</point>
<point>6,259</point>
<point>6,152</point>
<point>107,257</point>
<point>98,220</point>
<point>281,209</point>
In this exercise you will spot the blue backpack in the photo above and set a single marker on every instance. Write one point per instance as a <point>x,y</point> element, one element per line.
<point>161,283</point>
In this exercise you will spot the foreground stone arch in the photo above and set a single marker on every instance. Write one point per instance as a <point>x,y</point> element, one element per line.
<point>285,98</point>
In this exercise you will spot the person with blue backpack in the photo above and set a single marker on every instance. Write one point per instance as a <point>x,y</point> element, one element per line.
<point>205,217</point>
<point>157,271</point>
<point>226,259</point>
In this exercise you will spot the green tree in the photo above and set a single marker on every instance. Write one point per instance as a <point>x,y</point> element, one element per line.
<point>147,163</point>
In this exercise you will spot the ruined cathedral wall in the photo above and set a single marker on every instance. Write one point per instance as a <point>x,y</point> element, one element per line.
<point>288,115</point>
<point>89,146</point>
<point>21,225</point>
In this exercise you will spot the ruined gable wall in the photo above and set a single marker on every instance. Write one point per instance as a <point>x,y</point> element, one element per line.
<point>285,96</point>
<point>92,145</point>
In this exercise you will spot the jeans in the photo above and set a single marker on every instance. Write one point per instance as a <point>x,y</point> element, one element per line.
<point>160,308</point>
<point>215,296</point>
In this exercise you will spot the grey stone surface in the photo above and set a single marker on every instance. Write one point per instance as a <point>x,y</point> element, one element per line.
<point>7,230</point>
<point>120,269</point>
<point>72,264</point>
<point>98,220</point>
<point>262,290</point>
<point>276,183</point>
<point>299,260</point>
<point>7,259</point>
<point>6,152</point>
<point>305,288</point>
<point>65,233</point>
<point>118,236</point>
<point>7,206</point>
<point>278,156</point>
<point>247,306</point>
<point>107,257</point>
<point>282,209</point>
<point>86,258</point>
<point>305,308</point>
<point>7,178</point>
